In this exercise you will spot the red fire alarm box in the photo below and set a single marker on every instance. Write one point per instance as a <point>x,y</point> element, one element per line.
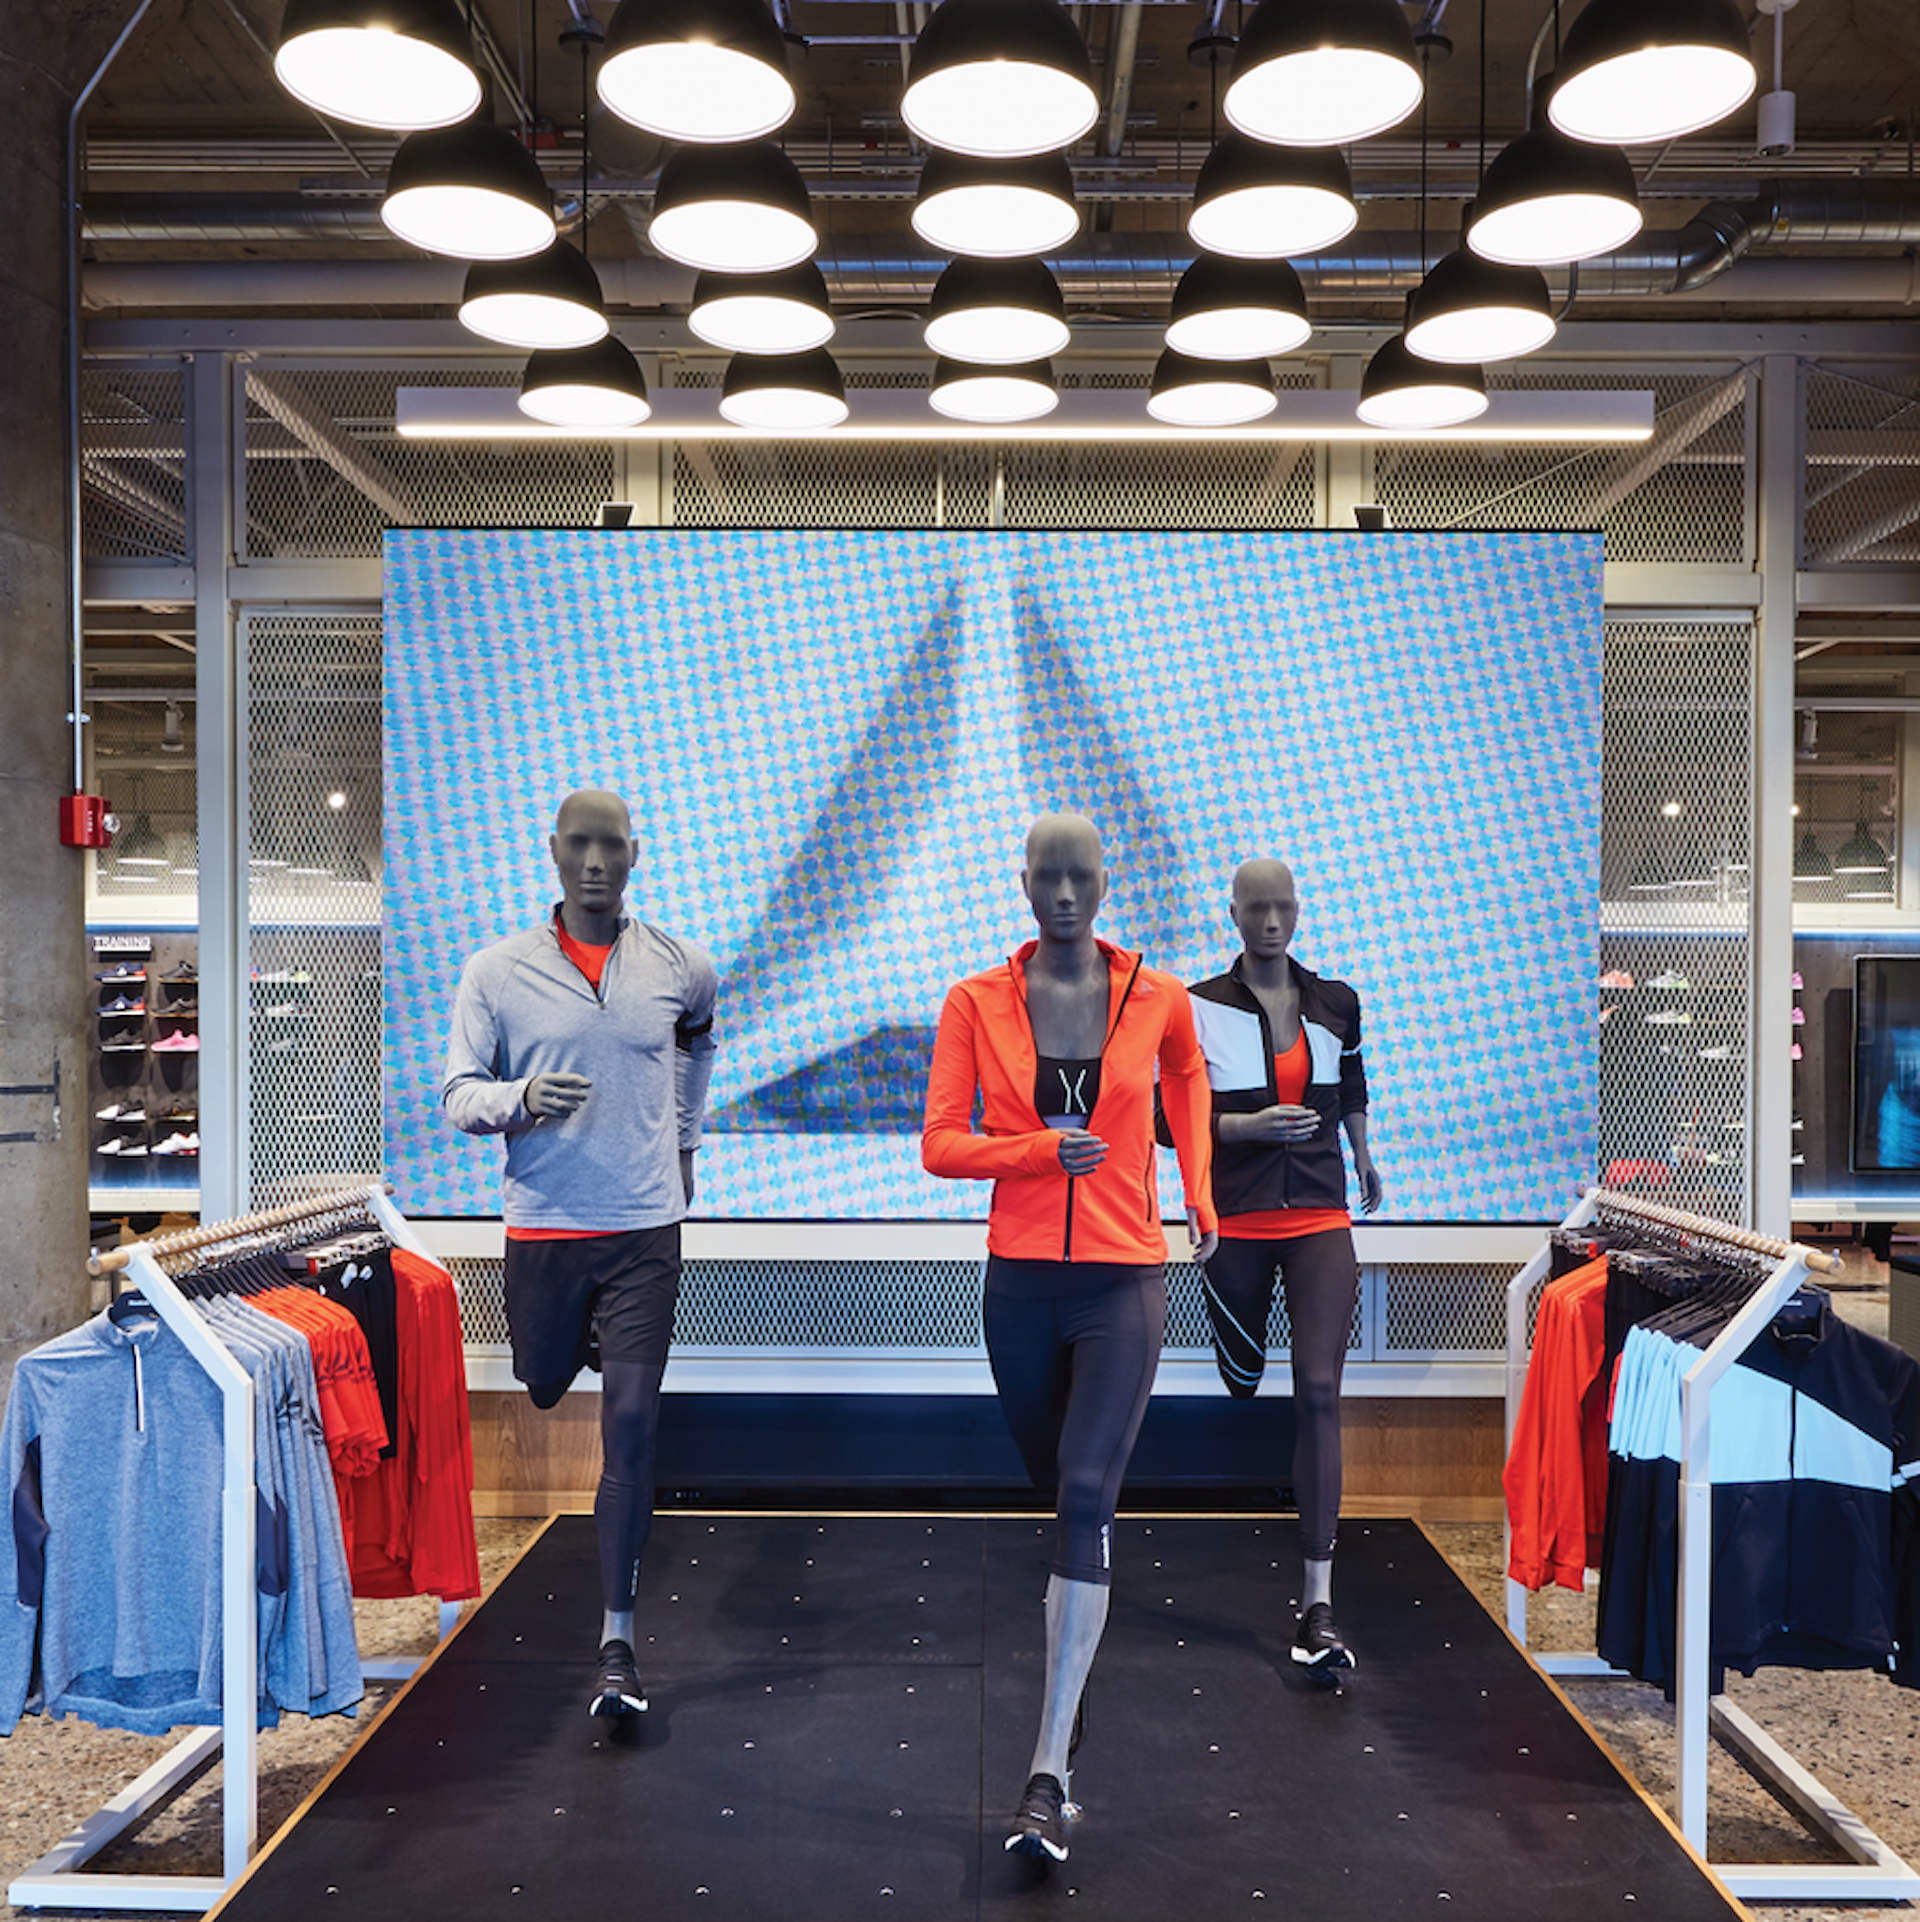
<point>85,821</point>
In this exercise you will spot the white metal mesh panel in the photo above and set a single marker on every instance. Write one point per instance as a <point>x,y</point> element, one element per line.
<point>1863,474</point>
<point>1673,988</point>
<point>1118,484</point>
<point>1680,497</point>
<point>327,471</point>
<point>1435,1311</point>
<point>1846,785</point>
<point>133,463</point>
<point>816,483</point>
<point>155,856</point>
<point>313,901</point>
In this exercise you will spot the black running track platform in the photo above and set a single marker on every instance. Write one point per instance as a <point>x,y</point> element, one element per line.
<point>842,1713</point>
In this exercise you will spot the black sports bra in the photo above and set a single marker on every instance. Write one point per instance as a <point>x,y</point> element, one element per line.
<point>1065,1091</point>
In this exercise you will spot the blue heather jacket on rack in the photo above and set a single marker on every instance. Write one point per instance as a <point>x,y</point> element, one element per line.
<point>645,1041</point>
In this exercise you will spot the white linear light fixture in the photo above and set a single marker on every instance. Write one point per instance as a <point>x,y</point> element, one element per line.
<point>703,70</point>
<point>1260,202</point>
<point>1000,313</point>
<point>733,209</point>
<point>963,390</point>
<point>1560,417</point>
<point>472,191</point>
<point>1636,71</point>
<point>996,209</point>
<point>786,312</point>
<point>1323,73</point>
<point>999,79</point>
<point>399,64</point>
<point>784,393</point>
<point>1189,392</point>
<point>1226,309</point>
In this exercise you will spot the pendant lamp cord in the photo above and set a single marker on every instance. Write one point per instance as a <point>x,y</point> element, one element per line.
<point>586,141</point>
<point>1426,98</point>
<point>1481,173</point>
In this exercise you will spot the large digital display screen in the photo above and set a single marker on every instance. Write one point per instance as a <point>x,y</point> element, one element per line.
<point>833,743</point>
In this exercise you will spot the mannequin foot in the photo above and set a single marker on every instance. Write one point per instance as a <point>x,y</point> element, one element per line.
<point>1317,1644</point>
<point>618,1690</point>
<point>1039,1825</point>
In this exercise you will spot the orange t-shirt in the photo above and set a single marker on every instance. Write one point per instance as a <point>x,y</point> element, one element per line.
<point>592,962</point>
<point>1290,1072</point>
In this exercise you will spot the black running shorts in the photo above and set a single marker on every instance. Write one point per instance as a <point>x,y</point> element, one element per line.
<point>621,1288</point>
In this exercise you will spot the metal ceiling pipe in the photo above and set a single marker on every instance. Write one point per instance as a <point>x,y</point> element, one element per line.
<point>242,285</point>
<point>222,218</point>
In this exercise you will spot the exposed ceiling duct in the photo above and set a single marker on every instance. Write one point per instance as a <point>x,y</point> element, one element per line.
<point>219,219</point>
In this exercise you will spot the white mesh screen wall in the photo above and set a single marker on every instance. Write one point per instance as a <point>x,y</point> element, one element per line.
<point>1862,483</point>
<point>133,462</point>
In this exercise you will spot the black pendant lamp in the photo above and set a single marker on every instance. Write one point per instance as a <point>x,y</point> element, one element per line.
<point>733,209</point>
<point>400,64</point>
<point>996,209</point>
<point>1636,71</point>
<point>993,395</point>
<point>1810,862</point>
<point>1261,202</point>
<point>550,299</point>
<point>999,79</point>
<point>705,70</point>
<point>1189,392</point>
<point>1226,309</point>
<point>786,312</point>
<point>1549,199</point>
<point>1401,392</point>
<point>784,393</point>
<point>598,387</point>
<point>472,191</point>
<point>1323,73</point>
<point>998,313</point>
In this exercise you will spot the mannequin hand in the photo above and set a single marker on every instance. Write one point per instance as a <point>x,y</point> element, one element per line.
<point>555,1094</point>
<point>1372,1190</point>
<point>1203,1244</point>
<point>1081,1152</point>
<point>1283,1122</point>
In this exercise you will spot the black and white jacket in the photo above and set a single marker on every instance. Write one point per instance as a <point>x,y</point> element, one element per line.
<point>1251,1177</point>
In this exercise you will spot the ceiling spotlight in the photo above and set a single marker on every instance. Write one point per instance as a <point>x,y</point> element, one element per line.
<point>1473,310</point>
<point>706,70</point>
<point>595,388</point>
<point>996,209</point>
<point>403,64</point>
<point>999,79</point>
<point>964,391</point>
<point>733,209</point>
<point>784,393</point>
<point>549,299</point>
<point>1401,392</point>
<point>471,191</point>
<point>1260,202</point>
<point>997,312</point>
<point>1633,71</point>
<point>172,739</point>
<point>1226,309</point>
<point>778,313</point>
<point>1548,199</point>
<point>1322,73</point>
<point>1187,392</point>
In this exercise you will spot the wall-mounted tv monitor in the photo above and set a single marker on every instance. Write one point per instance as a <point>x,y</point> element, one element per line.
<point>1886,1061</point>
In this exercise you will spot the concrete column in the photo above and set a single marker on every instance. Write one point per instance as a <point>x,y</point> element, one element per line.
<point>47,52</point>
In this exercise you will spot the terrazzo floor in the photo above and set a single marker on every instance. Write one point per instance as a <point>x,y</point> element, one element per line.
<point>1859,1734</point>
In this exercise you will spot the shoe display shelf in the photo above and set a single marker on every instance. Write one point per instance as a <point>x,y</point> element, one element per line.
<point>143,1077</point>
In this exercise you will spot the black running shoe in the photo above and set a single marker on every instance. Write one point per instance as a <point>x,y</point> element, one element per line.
<point>1039,1825</point>
<point>618,1691</point>
<point>1317,1644</point>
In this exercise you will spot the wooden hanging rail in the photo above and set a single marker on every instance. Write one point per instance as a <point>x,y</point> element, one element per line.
<point>208,1234</point>
<point>1723,1232</point>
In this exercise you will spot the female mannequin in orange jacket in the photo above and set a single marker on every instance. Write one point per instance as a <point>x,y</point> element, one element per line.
<point>1060,1043</point>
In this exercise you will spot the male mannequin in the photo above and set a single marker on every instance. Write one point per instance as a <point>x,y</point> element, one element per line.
<point>588,1043</point>
<point>1283,1058</point>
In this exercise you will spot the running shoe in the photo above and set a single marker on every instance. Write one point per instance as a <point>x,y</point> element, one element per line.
<point>135,1046</point>
<point>126,1147</point>
<point>123,1004</point>
<point>126,971</point>
<point>1616,978</point>
<point>186,971</point>
<point>618,1691</point>
<point>1039,1825</point>
<point>120,1111</point>
<point>177,1010</point>
<point>1317,1644</point>
<point>1673,981</point>
<point>187,1144</point>
<point>182,1043</point>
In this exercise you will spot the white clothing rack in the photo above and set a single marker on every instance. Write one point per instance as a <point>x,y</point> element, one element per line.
<point>1876,1873</point>
<point>60,1878</point>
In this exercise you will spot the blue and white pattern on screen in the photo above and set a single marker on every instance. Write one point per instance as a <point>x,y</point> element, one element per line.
<point>833,743</point>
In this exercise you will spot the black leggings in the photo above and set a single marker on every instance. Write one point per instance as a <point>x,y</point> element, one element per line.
<point>1074,1373</point>
<point>1322,1282</point>
<point>623,1503</point>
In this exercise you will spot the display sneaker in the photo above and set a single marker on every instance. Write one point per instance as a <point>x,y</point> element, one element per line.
<point>126,971</point>
<point>1317,1644</point>
<point>1659,1018</point>
<point>177,1044</point>
<point>120,1111</point>
<point>186,971</point>
<point>133,1046</point>
<point>283,1010</point>
<point>1039,1825</point>
<point>1616,978</point>
<point>618,1690</point>
<point>1672,981</point>
<point>181,1010</point>
<point>125,1146</point>
<point>123,1004</point>
<point>178,1145</point>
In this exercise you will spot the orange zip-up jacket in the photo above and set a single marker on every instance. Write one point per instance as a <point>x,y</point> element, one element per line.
<point>1039,1212</point>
